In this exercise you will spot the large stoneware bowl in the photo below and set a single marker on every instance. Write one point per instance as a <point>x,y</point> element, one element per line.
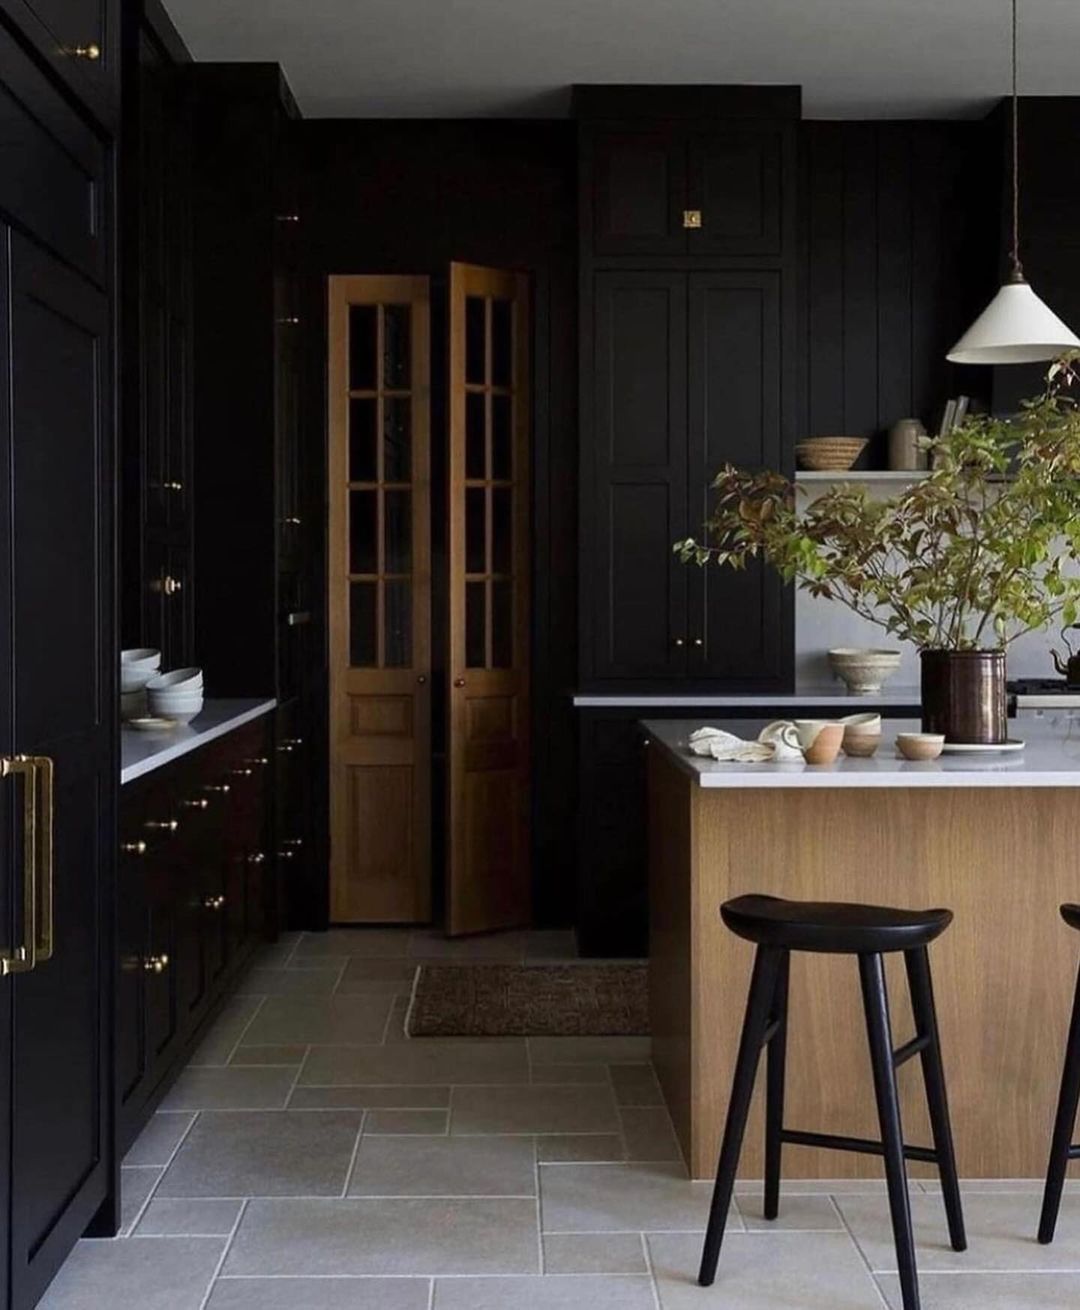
<point>864,670</point>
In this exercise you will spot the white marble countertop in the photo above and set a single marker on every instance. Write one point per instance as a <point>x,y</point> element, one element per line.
<point>831,695</point>
<point>143,752</point>
<point>1051,758</point>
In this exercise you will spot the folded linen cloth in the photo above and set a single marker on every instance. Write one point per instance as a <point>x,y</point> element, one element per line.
<point>726,746</point>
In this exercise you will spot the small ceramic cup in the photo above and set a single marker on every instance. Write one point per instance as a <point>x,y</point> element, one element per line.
<point>820,739</point>
<point>920,745</point>
<point>862,734</point>
<point>784,740</point>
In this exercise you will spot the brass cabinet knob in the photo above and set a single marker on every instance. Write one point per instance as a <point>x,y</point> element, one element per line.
<point>290,320</point>
<point>288,218</point>
<point>459,682</point>
<point>91,51</point>
<point>214,903</point>
<point>691,218</point>
<point>286,855</point>
<point>200,804</point>
<point>698,641</point>
<point>174,486</point>
<point>162,825</point>
<point>219,788</point>
<point>679,641</point>
<point>133,847</point>
<point>294,741</point>
<point>292,520</point>
<point>156,963</point>
<point>259,762</point>
<point>293,841</point>
<point>256,857</point>
<point>241,773</point>
<point>421,679</point>
<point>285,748</point>
<point>170,586</point>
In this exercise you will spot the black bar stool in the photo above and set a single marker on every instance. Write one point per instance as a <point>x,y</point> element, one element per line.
<point>1062,1150</point>
<point>779,927</point>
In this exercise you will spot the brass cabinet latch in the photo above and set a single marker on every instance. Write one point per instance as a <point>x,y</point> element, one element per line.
<point>691,218</point>
<point>37,898</point>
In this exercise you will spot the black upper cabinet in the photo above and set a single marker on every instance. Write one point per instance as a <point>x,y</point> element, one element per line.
<point>682,192</point>
<point>80,42</point>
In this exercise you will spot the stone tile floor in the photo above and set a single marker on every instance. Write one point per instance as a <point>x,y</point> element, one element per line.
<point>311,1157</point>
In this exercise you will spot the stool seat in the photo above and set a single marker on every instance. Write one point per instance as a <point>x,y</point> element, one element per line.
<point>1071,915</point>
<point>835,927</point>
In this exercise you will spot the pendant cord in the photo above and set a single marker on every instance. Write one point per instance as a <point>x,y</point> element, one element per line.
<point>1016,272</point>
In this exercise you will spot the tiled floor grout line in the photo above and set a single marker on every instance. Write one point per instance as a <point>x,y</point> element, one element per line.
<point>296,1080</point>
<point>539,1209</point>
<point>240,1040</point>
<point>861,1254</point>
<point>431,1293</point>
<point>355,1152</point>
<point>224,1255</point>
<point>651,1271</point>
<point>157,1183</point>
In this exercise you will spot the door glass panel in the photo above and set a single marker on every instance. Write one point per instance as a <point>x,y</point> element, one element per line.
<point>397,521</point>
<point>502,636</point>
<point>501,529</point>
<point>475,531</point>
<point>363,554</point>
<point>475,625</point>
<point>396,352</point>
<point>362,440</point>
<point>362,337</point>
<point>475,443</point>
<point>362,624</point>
<point>397,426</point>
<point>397,624</point>
<point>501,442</point>
<point>502,342</point>
<point>475,363</point>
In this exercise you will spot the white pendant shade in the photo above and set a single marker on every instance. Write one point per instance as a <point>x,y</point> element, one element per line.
<point>1015,328</point>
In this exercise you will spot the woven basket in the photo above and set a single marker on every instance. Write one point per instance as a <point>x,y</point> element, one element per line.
<point>829,454</point>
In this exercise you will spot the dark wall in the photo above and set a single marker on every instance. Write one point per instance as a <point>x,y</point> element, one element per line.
<point>899,253</point>
<point>410,197</point>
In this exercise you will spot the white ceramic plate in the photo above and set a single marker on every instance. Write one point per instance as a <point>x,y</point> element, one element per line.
<point>148,723</point>
<point>979,748</point>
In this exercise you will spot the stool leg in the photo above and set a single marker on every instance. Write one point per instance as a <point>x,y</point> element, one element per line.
<point>922,1004</point>
<point>758,1004</point>
<point>1064,1125</point>
<point>774,1089</point>
<point>876,1004</point>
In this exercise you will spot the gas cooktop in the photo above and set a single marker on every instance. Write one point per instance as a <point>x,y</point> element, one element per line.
<point>1039,693</point>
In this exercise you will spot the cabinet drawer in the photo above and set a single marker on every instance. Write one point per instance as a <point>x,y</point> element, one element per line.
<point>53,168</point>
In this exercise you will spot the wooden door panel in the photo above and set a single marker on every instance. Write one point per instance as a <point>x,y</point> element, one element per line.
<point>380,600</point>
<point>488,883</point>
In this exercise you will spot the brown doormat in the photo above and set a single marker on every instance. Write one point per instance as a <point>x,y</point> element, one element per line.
<point>534,1000</point>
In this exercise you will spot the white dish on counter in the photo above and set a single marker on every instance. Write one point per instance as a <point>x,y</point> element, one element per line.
<point>152,723</point>
<point>982,748</point>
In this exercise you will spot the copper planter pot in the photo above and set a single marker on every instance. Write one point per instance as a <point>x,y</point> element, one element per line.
<point>963,695</point>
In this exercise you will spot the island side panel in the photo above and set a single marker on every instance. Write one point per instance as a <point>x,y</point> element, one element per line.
<point>673,798</point>
<point>1001,859</point>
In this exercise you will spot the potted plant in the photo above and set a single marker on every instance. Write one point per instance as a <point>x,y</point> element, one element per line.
<point>961,563</point>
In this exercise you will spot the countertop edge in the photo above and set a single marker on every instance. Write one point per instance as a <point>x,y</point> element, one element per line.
<point>904,698</point>
<point>175,747</point>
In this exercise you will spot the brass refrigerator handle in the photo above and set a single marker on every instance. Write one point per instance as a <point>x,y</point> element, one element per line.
<point>37,775</point>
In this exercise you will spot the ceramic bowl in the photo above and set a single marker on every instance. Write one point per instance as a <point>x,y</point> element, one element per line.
<point>863,745</point>
<point>134,678</point>
<point>177,680</point>
<point>141,657</point>
<point>920,745</point>
<point>820,739</point>
<point>864,671</point>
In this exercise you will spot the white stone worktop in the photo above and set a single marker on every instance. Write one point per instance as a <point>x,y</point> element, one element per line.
<point>142,752</point>
<point>827,695</point>
<point>1051,758</point>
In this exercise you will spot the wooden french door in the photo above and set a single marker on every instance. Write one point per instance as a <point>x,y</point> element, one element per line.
<point>488,881</point>
<point>380,599</point>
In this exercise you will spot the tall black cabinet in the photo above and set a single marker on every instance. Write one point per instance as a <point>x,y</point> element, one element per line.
<point>687,297</point>
<point>57,663</point>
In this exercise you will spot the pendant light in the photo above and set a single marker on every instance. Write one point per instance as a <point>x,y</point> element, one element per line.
<point>1016,327</point>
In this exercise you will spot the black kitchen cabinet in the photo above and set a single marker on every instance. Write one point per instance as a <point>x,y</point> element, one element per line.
<point>78,42</point>
<point>57,704</point>
<point>687,375</point>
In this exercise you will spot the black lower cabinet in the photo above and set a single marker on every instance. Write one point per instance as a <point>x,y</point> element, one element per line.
<point>194,858</point>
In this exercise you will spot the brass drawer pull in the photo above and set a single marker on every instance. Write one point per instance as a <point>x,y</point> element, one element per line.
<point>259,762</point>
<point>242,773</point>
<point>156,963</point>
<point>37,775</point>
<point>162,825</point>
<point>286,855</point>
<point>222,788</point>
<point>201,803</point>
<point>133,847</point>
<point>214,903</point>
<point>256,857</point>
<point>174,486</point>
<point>91,51</point>
<point>293,841</point>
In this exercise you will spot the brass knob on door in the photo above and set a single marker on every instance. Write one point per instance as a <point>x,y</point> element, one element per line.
<point>214,903</point>
<point>242,773</point>
<point>293,841</point>
<point>133,847</point>
<point>698,641</point>
<point>200,804</point>
<point>293,520</point>
<point>294,741</point>
<point>222,787</point>
<point>174,486</point>
<point>259,762</point>
<point>679,641</point>
<point>286,855</point>
<point>459,682</point>
<point>288,218</point>
<point>156,963</point>
<point>91,51</point>
<point>162,825</point>
<point>170,586</point>
<point>256,857</point>
<point>421,679</point>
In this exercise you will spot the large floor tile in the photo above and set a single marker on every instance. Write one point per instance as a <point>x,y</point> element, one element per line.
<point>1000,1230</point>
<point>811,1271</point>
<point>430,944</point>
<point>594,1253</point>
<point>569,1073</point>
<point>136,1184</point>
<point>320,1294</point>
<point>401,1123</point>
<point>420,1097</point>
<point>372,977</point>
<point>230,1088</point>
<point>425,1060</point>
<point>599,1198</point>
<point>989,1291</point>
<point>174,1217</point>
<point>398,1236</point>
<point>328,1020</point>
<point>153,1273</point>
<point>636,1085</point>
<point>809,1213</point>
<point>444,1166</point>
<point>589,1050</point>
<point>265,1153</point>
<point>648,1134</point>
<point>580,1148</point>
<point>293,1055</point>
<point>364,942</point>
<point>226,1031</point>
<point>574,1109</point>
<point>288,982</point>
<point>159,1139</point>
<point>559,1293</point>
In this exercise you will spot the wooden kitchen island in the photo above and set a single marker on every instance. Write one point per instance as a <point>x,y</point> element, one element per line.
<point>994,838</point>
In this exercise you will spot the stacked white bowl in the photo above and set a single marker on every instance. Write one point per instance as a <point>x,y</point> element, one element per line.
<point>137,667</point>
<point>177,695</point>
